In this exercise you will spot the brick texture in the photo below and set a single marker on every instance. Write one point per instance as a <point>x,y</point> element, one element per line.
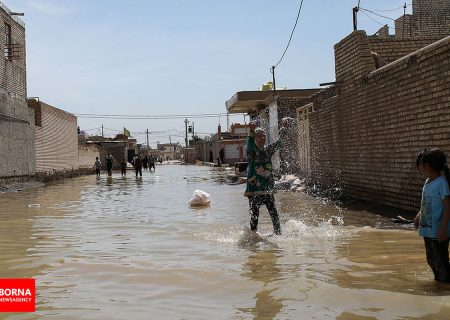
<point>56,140</point>
<point>17,150</point>
<point>367,136</point>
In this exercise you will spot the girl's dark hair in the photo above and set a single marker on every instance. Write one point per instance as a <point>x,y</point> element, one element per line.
<point>436,159</point>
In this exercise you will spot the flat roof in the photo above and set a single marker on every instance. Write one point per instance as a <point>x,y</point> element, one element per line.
<point>246,101</point>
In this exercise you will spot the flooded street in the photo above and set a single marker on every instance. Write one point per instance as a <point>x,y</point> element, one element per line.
<point>128,248</point>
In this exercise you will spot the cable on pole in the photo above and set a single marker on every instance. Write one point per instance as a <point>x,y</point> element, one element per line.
<point>290,38</point>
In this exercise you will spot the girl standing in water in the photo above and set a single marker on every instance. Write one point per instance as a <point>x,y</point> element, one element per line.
<point>260,181</point>
<point>434,215</point>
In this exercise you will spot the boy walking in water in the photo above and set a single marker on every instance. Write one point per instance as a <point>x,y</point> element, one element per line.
<point>260,181</point>
<point>109,163</point>
<point>97,166</point>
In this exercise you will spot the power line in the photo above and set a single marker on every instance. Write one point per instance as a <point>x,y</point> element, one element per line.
<point>380,23</point>
<point>150,117</point>
<point>377,14</point>
<point>394,9</point>
<point>292,33</point>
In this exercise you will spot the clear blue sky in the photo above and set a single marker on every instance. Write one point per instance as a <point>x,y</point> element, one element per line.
<point>170,57</point>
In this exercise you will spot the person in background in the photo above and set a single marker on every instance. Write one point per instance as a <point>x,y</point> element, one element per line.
<point>260,181</point>
<point>123,167</point>
<point>434,215</point>
<point>97,166</point>
<point>145,162</point>
<point>109,163</point>
<point>222,155</point>
<point>137,163</point>
<point>151,161</point>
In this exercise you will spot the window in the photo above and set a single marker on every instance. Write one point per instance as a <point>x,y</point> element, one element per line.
<point>7,53</point>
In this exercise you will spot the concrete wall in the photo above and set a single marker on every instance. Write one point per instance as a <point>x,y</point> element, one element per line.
<point>17,148</point>
<point>86,155</point>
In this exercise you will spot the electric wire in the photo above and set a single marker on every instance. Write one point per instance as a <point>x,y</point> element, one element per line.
<point>377,14</point>
<point>394,9</point>
<point>380,23</point>
<point>152,117</point>
<point>292,33</point>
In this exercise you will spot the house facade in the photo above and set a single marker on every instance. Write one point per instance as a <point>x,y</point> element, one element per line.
<point>17,150</point>
<point>170,151</point>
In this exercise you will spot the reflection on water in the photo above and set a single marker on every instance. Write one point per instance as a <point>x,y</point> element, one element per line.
<point>262,267</point>
<point>131,248</point>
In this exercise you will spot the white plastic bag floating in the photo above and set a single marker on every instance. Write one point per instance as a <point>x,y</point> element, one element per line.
<point>199,199</point>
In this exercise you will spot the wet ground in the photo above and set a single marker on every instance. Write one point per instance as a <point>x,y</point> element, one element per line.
<point>131,248</point>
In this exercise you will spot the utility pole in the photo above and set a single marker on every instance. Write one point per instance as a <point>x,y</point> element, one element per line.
<point>148,146</point>
<point>170,145</point>
<point>102,130</point>
<point>273,79</point>
<point>186,123</point>
<point>355,16</point>
<point>193,140</point>
<point>404,20</point>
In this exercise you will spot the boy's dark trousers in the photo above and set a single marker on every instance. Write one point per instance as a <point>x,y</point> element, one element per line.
<point>138,171</point>
<point>268,200</point>
<point>437,258</point>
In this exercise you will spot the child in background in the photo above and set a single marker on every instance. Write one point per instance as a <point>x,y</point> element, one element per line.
<point>97,166</point>
<point>109,163</point>
<point>260,181</point>
<point>123,167</point>
<point>434,215</point>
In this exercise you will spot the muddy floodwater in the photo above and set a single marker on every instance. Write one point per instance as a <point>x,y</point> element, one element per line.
<point>128,248</point>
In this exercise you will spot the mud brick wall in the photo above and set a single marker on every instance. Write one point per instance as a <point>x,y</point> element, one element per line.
<point>383,118</point>
<point>325,143</point>
<point>391,49</point>
<point>404,26</point>
<point>431,18</point>
<point>13,72</point>
<point>56,140</point>
<point>17,153</point>
<point>353,57</point>
<point>289,152</point>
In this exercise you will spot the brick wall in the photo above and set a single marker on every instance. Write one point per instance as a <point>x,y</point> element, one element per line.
<point>430,18</point>
<point>370,133</point>
<point>404,26</point>
<point>391,49</point>
<point>325,144</point>
<point>13,70</point>
<point>289,153</point>
<point>17,153</point>
<point>353,57</point>
<point>56,140</point>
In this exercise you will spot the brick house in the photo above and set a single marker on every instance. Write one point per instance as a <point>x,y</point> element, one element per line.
<point>17,155</point>
<point>170,151</point>
<point>391,99</point>
<point>267,108</point>
<point>364,133</point>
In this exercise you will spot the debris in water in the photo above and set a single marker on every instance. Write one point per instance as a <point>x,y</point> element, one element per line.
<point>199,199</point>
